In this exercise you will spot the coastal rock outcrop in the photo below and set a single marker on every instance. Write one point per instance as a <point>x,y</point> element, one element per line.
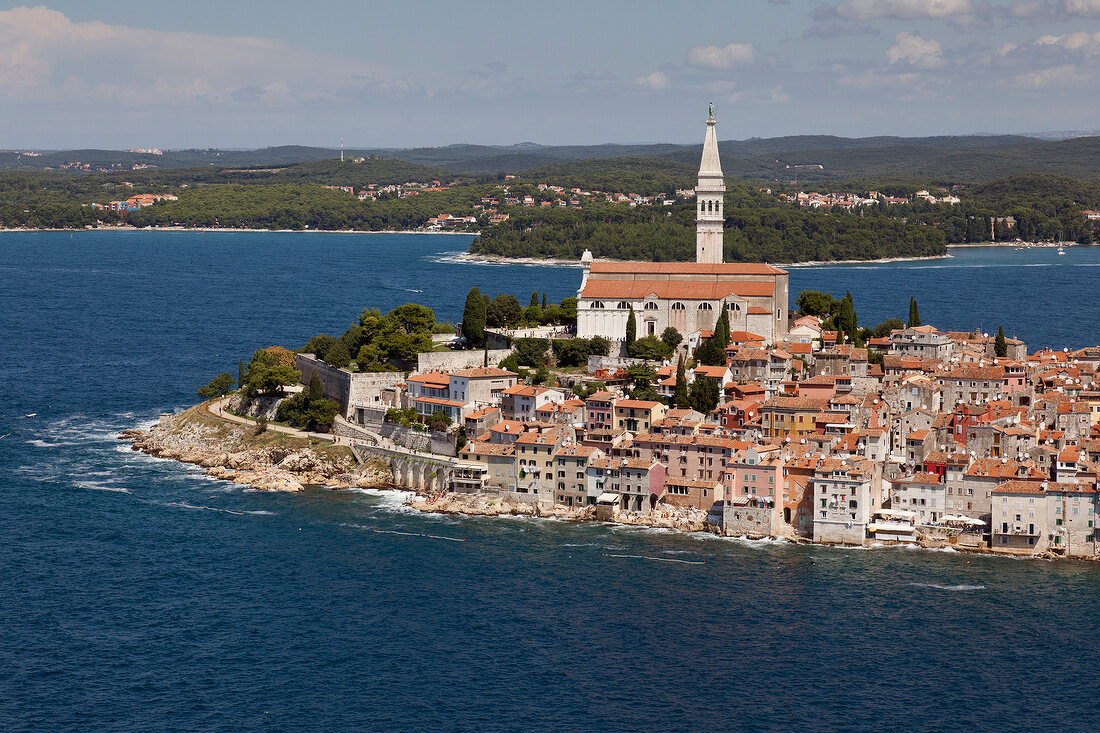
<point>266,461</point>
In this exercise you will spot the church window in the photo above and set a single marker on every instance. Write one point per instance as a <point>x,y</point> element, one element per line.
<point>733,307</point>
<point>677,306</point>
<point>706,307</point>
<point>597,304</point>
<point>623,305</point>
<point>651,306</point>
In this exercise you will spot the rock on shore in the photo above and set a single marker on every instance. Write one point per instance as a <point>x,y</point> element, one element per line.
<point>266,462</point>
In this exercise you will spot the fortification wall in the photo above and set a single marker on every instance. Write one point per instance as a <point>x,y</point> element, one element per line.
<point>453,361</point>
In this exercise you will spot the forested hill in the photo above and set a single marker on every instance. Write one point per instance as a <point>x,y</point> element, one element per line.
<point>644,176</point>
<point>668,234</point>
<point>807,158</point>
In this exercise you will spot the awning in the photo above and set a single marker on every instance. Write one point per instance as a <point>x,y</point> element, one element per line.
<point>896,513</point>
<point>607,498</point>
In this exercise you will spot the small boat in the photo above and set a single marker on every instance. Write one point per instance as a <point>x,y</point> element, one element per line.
<point>1061,251</point>
<point>31,414</point>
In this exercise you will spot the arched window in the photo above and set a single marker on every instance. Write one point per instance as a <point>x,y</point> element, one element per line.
<point>678,306</point>
<point>623,305</point>
<point>597,304</point>
<point>733,307</point>
<point>651,306</point>
<point>706,307</point>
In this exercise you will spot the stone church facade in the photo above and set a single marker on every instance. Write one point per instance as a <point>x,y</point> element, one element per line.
<point>687,296</point>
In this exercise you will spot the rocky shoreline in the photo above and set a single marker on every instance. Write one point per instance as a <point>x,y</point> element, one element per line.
<point>265,461</point>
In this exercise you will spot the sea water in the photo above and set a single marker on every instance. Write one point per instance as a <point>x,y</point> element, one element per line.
<point>137,594</point>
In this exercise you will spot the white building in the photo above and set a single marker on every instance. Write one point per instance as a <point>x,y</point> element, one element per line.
<point>686,295</point>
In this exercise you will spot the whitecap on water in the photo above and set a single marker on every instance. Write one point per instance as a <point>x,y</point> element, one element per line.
<point>959,587</point>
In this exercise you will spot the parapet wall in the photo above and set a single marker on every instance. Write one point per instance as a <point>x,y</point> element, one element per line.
<point>349,389</point>
<point>450,361</point>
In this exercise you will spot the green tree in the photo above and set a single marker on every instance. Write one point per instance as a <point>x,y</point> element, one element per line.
<point>722,329</point>
<point>240,373</point>
<point>315,390</point>
<point>338,357</point>
<point>599,345</point>
<point>534,299</point>
<point>1000,346</point>
<point>704,395</point>
<point>267,374</point>
<point>319,346</point>
<point>531,351</point>
<point>218,386</point>
<point>671,337</point>
<point>680,396</point>
<point>568,310</point>
<point>814,303</point>
<point>544,300</point>
<point>631,328</point>
<point>649,347</point>
<point>473,318</point>
<point>914,314</point>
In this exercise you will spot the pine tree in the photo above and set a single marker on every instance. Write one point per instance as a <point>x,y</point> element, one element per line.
<point>631,328</point>
<point>681,397</point>
<point>240,374</point>
<point>1000,346</point>
<point>473,318</point>
<point>722,329</point>
<point>914,314</point>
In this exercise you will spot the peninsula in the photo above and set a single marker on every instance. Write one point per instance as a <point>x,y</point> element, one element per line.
<point>680,395</point>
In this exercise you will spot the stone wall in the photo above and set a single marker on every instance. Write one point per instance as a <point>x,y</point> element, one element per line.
<point>737,520</point>
<point>452,361</point>
<point>349,389</point>
<point>431,442</point>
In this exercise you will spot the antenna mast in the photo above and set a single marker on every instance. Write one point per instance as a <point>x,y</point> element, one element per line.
<point>341,148</point>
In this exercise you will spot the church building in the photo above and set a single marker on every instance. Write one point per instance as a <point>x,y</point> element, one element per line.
<point>686,295</point>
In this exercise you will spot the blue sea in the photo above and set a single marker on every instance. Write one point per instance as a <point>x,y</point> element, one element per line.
<point>136,594</point>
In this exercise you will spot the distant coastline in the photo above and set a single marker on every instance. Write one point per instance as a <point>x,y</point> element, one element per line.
<point>234,229</point>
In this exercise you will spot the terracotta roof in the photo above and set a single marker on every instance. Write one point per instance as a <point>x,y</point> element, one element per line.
<point>438,378</point>
<point>687,268</point>
<point>483,372</point>
<point>440,401</point>
<point>1019,487</point>
<point>675,290</point>
<point>603,396</point>
<point>636,404</point>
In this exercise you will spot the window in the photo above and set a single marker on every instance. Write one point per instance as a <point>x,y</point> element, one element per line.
<point>597,304</point>
<point>623,305</point>
<point>706,307</point>
<point>678,306</point>
<point>733,307</point>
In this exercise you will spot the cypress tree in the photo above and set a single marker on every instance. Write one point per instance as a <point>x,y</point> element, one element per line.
<point>680,397</point>
<point>534,299</point>
<point>315,390</point>
<point>240,374</point>
<point>722,329</point>
<point>914,314</point>
<point>544,300</point>
<point>631,328</point>
<point>1000,346</point>
<point>473,318</point>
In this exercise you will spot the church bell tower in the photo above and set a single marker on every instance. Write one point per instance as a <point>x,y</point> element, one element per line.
<point>709,200</point>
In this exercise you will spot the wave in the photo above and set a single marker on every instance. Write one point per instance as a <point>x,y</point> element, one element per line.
<point>959,587</point>
<point>99,486</point>
<point>660,559</point>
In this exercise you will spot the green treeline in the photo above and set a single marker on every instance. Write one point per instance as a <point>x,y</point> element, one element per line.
<point>661,233</point>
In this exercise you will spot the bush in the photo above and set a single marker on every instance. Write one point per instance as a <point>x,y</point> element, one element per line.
<point>649,347</point>
<point>218,386</point>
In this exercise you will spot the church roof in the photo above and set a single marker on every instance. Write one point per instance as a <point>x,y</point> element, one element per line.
<point>672,289</point>
<point>686,268</point>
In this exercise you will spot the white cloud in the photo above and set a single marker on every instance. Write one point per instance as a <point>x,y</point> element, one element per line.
<point>924,53</point>
<point>655,81</point>
<point>1066,75</point>
<point>724,57</point>
<point>1084,8</point>
<point>1079,42</point>
<point>45,56</point>
<point>872,80</point>
<point>904,9</point>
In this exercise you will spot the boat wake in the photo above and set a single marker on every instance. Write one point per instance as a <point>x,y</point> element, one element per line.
<point>959,587</point>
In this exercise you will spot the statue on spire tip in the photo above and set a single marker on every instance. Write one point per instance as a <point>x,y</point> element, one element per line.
<point>711,111</point>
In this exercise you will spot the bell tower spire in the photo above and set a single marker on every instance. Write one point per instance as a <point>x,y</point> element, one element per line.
<point>709,199</point>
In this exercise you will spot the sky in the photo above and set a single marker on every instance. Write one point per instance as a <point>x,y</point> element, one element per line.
<point>205,73</point>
